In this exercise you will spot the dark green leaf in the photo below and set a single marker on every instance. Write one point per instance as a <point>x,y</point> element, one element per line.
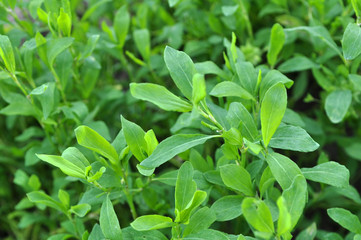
<point>109,222</point>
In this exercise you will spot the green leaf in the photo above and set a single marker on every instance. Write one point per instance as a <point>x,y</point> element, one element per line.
<point>181,69</point>
<point>337,104</point>
<point>351,41</point>
<point>172,146</point>
<point>7,54</point>
<point>258,215</point>
<point>318,32</point>
<point>230,89</point>
<point>121,25</point>
<point>88,13</point>
<point>172,3</point>
<point>309,233</point>
<point>90,46</point>
<point>283,169</point>
<point>73,155</point>
<point>142,41</point>
<point>92,140</point>
<point>57,46</point>
<point>272,78</point>
<point>293,138</point>
<point>198,198</point>
<point>356,81</point>
<point>227,207</point>
<point>346,219</point>
<point>273,108</point>
<point>185,187</point>
<point>151,222</point>
<point>151,140</point>
<point>80,210</point>
<point>247,76</point>
<point>237,178</point>
<point>266,181</point>
<point>64,165</point>
<point>199,221</point>
<point>297,64</point>
<point>130,234</point>
<point>233,137</point>
<point>64,23</point>
<point>331,173</point>
<point>159,96</point>
<point>356,4</point>
<point>276,43</point>
<point>42,198</point>
<point>109,222</point>
<point>229,10</point>
<point>209,67</point>
<point>284,217</point>
<point>199,88</point>
<point>135,138</point>
<point>45,93</point>
<point>18,107</point>
<point>64,198</point>
<point>238,116</point>
<point>208,234</point>
<point>295,197</point>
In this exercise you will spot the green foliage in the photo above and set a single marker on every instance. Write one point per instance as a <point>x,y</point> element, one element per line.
<point>179,119</point>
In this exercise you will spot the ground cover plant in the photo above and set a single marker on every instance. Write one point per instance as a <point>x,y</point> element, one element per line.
<point>180,119</point>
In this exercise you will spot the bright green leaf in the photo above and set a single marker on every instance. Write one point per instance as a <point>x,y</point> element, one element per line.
<point>199,88</point>
<point>237,178</point>
<point>230,89</point>
<point>295,197</point>
<point>7,54</point>
<point>159,96</point>
<point>134,135</point>
<point>258,215</point>
<point>199,221</point>
<point>181,69</point>
<point>284,217</point>
<point>151,222</point>
<point>283,169</point>
<point>273,108</point>
<point>185,187</point>
<point>276,43</point>
<point>92,140</point>
<point>172,146</point>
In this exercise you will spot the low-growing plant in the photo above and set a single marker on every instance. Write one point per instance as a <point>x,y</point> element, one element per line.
<point>255,135</point>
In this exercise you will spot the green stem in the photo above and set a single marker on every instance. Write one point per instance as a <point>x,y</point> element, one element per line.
<point>58,84</point>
